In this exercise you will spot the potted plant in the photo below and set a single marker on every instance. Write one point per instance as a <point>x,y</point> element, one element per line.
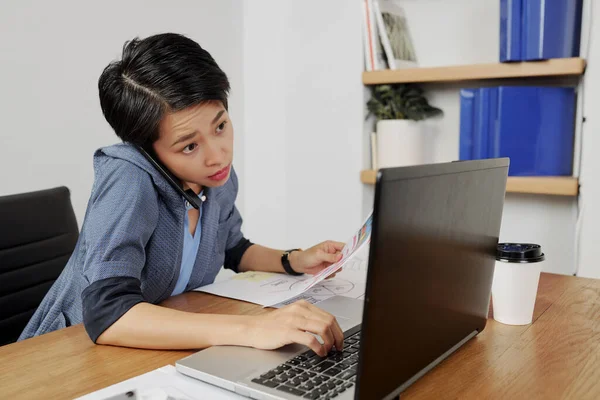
<point>401,136</point>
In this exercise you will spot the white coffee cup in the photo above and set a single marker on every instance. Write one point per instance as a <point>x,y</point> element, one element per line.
<point>515,285</point>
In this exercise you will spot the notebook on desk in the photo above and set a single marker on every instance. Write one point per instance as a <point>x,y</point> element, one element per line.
<point>430,269</point>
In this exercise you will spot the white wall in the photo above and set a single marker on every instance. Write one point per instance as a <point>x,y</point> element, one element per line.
<point>51,55</point>
<point>303,116</point>
<point>590,161</point>
<point>471,36</point>
<point>264,130</point>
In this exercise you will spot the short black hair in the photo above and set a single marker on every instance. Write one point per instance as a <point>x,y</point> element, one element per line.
<point>159,74</point>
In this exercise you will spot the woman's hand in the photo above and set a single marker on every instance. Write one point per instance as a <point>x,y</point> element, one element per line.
<point>314,260</point>
<point>296,323</point>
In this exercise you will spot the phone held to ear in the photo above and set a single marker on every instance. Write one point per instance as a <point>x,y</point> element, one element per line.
<point>188,194</point>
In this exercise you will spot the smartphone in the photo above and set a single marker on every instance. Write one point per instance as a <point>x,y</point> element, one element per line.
<point>130,395</point>
<point>188,194</point>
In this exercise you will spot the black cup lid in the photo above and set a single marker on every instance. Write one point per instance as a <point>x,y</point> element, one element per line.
<point>520,252</point>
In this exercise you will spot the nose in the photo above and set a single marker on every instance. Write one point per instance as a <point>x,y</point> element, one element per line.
<point>213,154</point>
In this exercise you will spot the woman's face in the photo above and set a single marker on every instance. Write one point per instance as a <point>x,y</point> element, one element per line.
<point>196,145</point>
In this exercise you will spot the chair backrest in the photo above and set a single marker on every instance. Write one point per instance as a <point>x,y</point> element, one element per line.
<point>38,232</point>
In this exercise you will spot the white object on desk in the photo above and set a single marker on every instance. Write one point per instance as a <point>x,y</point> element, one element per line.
<point>276,290</point>
<point>162,384</point>
<point>262,288</point>
<point>514,291</point>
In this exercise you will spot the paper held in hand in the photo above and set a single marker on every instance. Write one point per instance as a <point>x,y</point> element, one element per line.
<point>356,242</point>
<point>271,289</point>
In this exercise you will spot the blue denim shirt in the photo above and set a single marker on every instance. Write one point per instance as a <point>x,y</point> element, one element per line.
<point>190,249</point>
<point>130,245</point>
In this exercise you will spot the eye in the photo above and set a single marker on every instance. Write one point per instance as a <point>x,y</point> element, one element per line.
<point>189,148</point>
<point>221,126</point>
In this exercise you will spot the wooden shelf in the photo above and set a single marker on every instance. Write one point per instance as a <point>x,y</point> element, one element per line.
<point>549,185</point>
<point>368,176</point>
<point>553,67</point>
<point>553,185</point>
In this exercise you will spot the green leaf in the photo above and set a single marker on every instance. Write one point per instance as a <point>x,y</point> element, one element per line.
<point>400,101</point>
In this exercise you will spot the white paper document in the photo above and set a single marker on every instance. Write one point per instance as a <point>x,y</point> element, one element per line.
<point>162,384</point>
<point>264,288</point>
<point>361,238</point>
<point>277,290</point>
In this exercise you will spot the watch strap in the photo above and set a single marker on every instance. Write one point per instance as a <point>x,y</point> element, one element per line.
<point>285,261</point>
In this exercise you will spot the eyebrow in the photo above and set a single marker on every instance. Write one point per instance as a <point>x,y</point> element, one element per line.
<point>184,138</point>
<point>216,118</point>
<point>192,134</point>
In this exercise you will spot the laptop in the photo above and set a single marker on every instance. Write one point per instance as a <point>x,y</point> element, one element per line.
<point>430,270</point>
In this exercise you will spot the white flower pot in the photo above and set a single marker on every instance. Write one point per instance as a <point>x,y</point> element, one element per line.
<point>403,142</point>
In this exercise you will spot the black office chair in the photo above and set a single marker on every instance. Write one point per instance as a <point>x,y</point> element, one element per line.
<point>38,232</point>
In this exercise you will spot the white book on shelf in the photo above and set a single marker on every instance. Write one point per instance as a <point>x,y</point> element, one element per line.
<point>383,36</point>
<point>374,151</point>
<point>395,35</point>
<point>367,40</point>
<point>374,53</point>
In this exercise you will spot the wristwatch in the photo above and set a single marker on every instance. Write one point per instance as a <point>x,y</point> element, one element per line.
<point>285,261</point>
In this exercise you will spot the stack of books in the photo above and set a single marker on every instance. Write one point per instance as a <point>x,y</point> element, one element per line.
<point>386,36</point>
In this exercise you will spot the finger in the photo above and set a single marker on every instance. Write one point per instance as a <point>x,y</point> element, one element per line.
<point>337,271</point>
<point>320,328</point>
<point>338,246</point>
<point>336,330</point>
<point>331,258</point>
<point>301,305</point>
<point>308,340</point>
<point>334,274</point>
<point>310,311</point>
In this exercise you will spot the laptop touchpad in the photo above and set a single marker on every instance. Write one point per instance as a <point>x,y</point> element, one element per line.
<point>347,311</point>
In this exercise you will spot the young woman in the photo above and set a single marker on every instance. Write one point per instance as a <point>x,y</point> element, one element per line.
<point>150,234</point>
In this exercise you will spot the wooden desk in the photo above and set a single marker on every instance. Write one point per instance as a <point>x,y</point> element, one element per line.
<point>558,356</point>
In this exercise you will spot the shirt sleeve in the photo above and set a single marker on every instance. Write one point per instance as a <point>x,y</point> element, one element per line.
<point>233,256</point>
<point>107,300</point>
<point>236,244</point>
<point>122,215</point>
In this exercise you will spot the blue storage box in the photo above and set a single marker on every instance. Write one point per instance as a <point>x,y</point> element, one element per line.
<point>533,126</point>
<point>539,29</point>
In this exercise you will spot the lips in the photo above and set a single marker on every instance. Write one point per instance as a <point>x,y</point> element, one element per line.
<point>222,174</point>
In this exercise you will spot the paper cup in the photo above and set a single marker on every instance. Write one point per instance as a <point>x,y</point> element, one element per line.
<point>516,278</point>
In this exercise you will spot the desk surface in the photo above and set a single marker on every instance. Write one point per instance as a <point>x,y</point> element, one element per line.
<point>558,356</point>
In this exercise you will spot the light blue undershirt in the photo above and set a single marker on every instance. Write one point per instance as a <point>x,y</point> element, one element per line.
<point>190,249</point>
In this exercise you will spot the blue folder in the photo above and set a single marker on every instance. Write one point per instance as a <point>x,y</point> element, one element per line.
<point>539,29</point>
<point>510,30</point>
<point>550,29</point>
<point>533,126</point>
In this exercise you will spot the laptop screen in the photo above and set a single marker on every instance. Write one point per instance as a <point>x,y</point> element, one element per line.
<point>432,257</point>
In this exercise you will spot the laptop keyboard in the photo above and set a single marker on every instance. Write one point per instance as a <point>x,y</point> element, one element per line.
<point>313,377</point>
